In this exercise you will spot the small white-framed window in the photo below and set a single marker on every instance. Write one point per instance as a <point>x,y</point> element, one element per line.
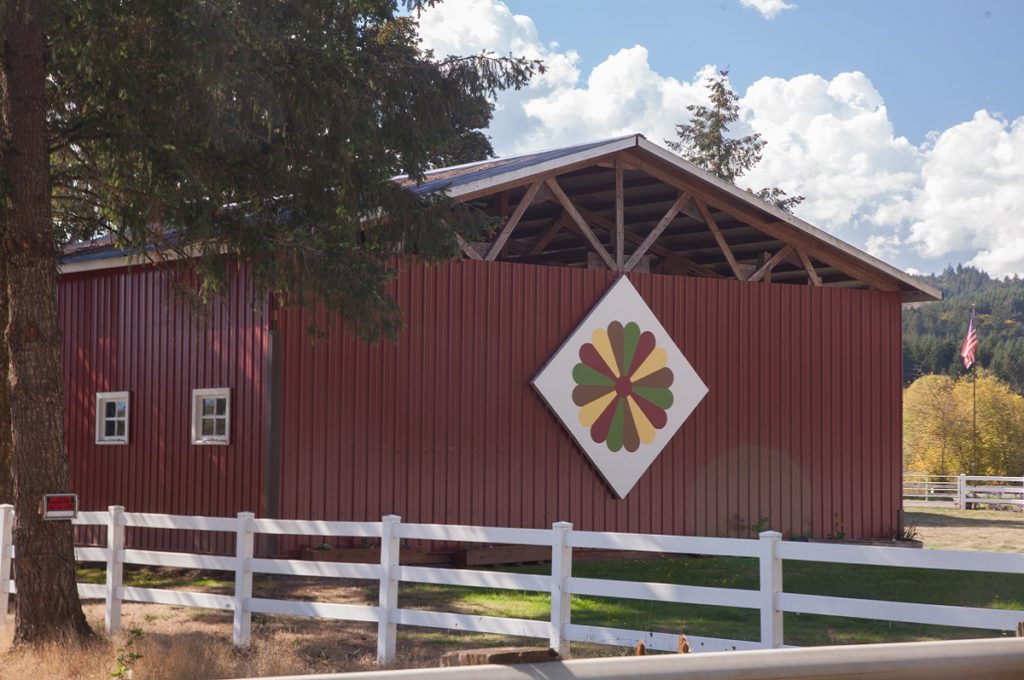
<point>112,417</point>
<point>211,416</point>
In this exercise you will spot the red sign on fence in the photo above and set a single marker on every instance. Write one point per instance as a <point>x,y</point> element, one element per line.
<point>60,506</point>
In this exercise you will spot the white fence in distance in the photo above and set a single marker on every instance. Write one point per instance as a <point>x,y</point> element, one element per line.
<point>961,491</point>
<point>770,598</point>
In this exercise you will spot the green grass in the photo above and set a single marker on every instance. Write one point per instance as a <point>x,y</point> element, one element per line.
<point>159,578</point>
<point>882,583</point>
<point>947,529</point>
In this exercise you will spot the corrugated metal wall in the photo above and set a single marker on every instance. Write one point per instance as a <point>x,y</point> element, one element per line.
<point>800,431</point>
<point>128,329</point>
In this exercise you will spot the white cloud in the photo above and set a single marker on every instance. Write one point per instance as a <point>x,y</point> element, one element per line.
<point>767,8</point>
<point>959,196</point>
<point>972,195</point>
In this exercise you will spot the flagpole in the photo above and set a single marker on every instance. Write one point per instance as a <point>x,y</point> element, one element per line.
<point>974,417</point>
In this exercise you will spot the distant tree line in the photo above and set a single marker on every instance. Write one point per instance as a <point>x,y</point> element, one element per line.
<point>933,332</point>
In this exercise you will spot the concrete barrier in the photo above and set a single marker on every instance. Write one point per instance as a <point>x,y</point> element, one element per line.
<point>992,659</point>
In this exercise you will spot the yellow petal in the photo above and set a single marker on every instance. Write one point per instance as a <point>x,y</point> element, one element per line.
<point>604,347</point>
<point>643,426</point>
<point>593,410</point>
<point>656,360</point>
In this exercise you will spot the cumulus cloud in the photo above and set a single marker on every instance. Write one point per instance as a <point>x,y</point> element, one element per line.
<point>767,8</point>
<point>972,195</point>
<point>959,196</point>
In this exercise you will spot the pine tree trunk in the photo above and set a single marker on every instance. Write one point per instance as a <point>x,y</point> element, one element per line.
<point>48,603</point>
<point>6,480</point>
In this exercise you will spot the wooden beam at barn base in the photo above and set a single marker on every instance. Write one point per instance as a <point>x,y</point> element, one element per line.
<point>467,250</point>
<point>719,239</point>
<point>506,231</point>
<point>620,218</point>
<point>645,245</point>
<point>681,263</point>
<point>770,264</point>
<point>812,275</point>
<point>573,213</point>
<point>542,241</point>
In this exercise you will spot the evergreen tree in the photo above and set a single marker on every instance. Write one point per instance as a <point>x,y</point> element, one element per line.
<point>704,141</point>
<point>267,131</point>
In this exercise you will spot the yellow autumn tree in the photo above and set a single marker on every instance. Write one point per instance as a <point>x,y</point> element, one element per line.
<point>938,430</point>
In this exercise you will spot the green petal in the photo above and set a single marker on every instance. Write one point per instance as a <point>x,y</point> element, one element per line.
<point>631,336</point>
<point>617,430</point>
<point>585,375</point>
<point>659,396</point>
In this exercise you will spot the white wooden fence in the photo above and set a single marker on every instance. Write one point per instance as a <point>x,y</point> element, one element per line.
<point>961,491</point>
<point>770,598</point>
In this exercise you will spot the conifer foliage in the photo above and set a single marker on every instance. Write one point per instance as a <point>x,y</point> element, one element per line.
<point>705,141</point>
<point>247,131</point>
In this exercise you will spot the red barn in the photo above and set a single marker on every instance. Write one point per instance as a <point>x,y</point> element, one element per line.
<point>795,334</point>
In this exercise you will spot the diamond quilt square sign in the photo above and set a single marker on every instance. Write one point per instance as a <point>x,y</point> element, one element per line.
<point>620,386</point>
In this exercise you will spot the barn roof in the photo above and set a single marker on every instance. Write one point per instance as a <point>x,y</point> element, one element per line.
<point>628,204</point>
<point>561,207</point>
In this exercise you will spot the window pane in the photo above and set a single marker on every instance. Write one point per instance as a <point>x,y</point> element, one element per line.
<point>120,428</point>
<point>209,403</point>
<point>221,425</point>
<point>108,428</point>
<point>207,427</point>
<point>122,408</point>
<point>222,406</point>
<point>109,408</point>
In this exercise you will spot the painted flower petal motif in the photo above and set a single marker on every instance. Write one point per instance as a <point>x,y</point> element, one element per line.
<point>622,386</point>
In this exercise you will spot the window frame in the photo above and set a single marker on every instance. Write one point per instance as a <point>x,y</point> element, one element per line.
<point>198,395</point>
<point>102,399</point>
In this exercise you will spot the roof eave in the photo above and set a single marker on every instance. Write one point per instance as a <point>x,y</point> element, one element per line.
<point>918,291</point>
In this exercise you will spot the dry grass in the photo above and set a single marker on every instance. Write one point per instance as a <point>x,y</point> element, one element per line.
<point>986,530</point>
<point>179,642</point>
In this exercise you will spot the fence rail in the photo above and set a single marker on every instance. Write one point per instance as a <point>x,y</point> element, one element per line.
<point>769,598</point>
<point>961,491</point>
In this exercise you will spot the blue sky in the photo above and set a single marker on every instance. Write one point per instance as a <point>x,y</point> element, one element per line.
<point>902,122</point>
<point>935,62</point>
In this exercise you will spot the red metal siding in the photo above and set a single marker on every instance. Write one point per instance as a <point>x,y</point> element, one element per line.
<point>129,329</point>
<point>800,428</point>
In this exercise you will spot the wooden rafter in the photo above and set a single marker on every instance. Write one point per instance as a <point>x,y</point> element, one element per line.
<point>585,229</point>
<point>620,216</point>
<point>467,250</point>
<point>771,263</point>
<point>517,215</point>
<point>642,249</point>
<point>778,230</point>
<point>681,261</point>
<point>542,241</point>
<point>812,274</point>
<point>719,239</point>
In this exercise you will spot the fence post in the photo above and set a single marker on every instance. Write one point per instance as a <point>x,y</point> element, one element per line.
<point>771,584</point>
<point>561,572</point>
<point>115,568</point>
<point>961,492</point>
<point>241,630</point>
<point>387,630</point>
<point>6,534</point>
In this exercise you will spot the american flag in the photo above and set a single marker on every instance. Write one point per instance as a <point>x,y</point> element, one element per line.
<point>970,344</point>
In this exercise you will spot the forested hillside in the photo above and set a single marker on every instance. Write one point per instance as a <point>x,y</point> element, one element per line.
<point>934,331</point>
